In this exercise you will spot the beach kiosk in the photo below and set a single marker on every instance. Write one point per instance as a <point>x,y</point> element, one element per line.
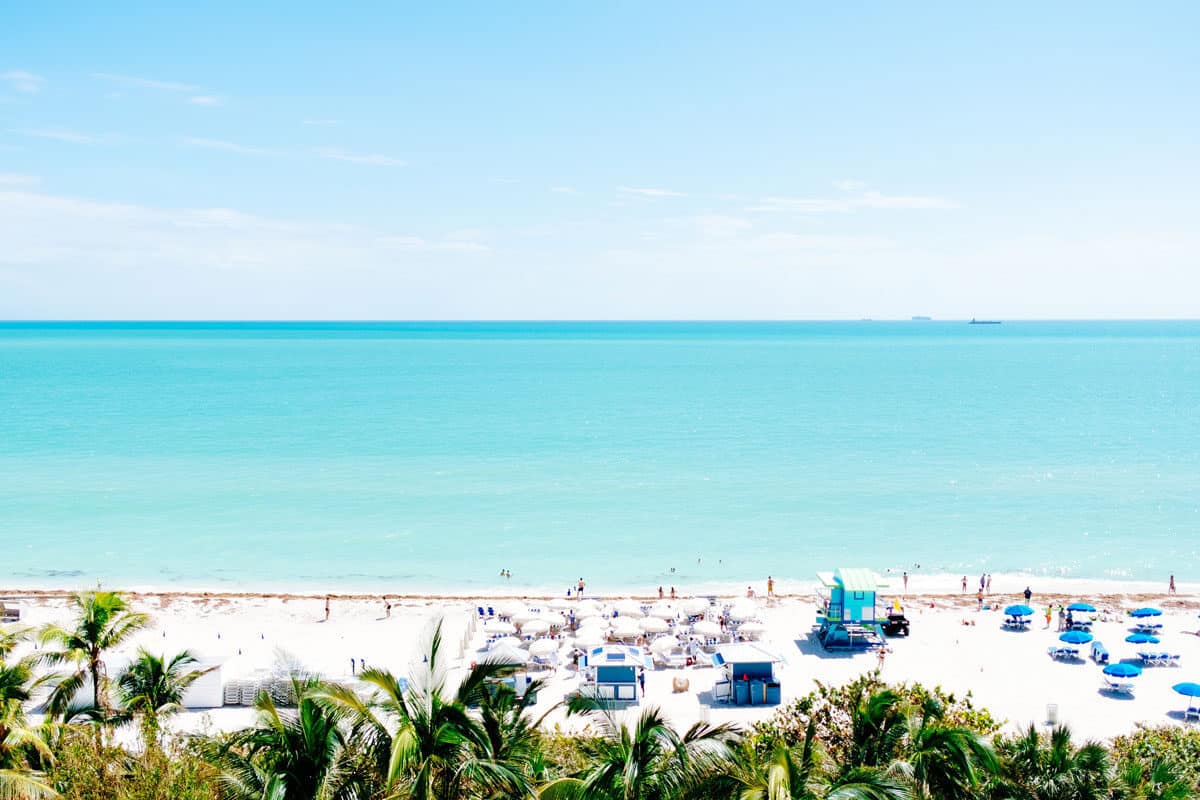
<point>846,617</point>
<point>748,677</point>
<point>611,673</point>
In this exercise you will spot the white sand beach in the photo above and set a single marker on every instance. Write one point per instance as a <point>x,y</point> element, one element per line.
<point>952,644</point>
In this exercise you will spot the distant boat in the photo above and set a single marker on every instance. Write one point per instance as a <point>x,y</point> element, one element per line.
<point>919,318</point>
<point>983,321</point>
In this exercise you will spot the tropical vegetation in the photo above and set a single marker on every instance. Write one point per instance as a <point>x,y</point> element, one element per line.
<point>427,737</point>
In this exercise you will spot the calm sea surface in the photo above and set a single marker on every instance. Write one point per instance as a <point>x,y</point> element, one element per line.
<point>417,456</point>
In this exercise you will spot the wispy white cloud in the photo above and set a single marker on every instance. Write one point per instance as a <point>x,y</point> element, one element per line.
<point>23,81</point>
<point>854,199</point>
<point>229,147</point>
<point>14,179</point>
<point>650,192</point>
<point>322,123</point>
<point>145,83</point>
<point>205,100</point>
<point>59,135</point>
<point>373,159</point>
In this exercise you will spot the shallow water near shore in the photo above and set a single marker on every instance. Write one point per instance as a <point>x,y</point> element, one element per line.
<point>416,456</point>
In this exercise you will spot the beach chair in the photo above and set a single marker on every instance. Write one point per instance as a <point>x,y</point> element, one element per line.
<point>1099,653</point>
<point>492,613</point>
<point>1193,710</point>
<point>1063,653</point>
<point>1118,686</point>
<point>482,614</point>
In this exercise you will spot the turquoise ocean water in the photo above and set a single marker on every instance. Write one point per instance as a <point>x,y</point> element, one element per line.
<point>414,456</point>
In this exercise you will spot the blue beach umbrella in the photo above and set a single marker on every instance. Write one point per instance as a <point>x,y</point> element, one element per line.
<point>1141,638</point>
<point>1075,637</point>
<point>1087,607</point>
<point>1145,612</point>
<point>1187,689</point>
<point>1123,670</point>
<point>1018,611</point>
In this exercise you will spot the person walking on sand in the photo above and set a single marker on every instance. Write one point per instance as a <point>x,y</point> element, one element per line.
<point>579,590</point>
<point>906,582</point>
<point>660,593</point>
<point>327,608</point>
<point>1049,614</point>
<point>988,588</point>
<point>1028,595</point>
<point>387,610</point>
<point>672,592</point>
<point>979,597</point>
<point>964,584</point>
<point>1171,587</point>
<point>770,586</point>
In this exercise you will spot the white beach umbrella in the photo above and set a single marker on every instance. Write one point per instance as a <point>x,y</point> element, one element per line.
<point>521,617</point>
<point>663,611</point>
<point>594,623</point>
<point>535,626</point>
<point>742,611</point>
<point>694,605</point>
<point>591,613</point>
<point>507,641</point>
<point>543,647</point>
<point>653,625</point>
<point>629,608</point>
<point>590,607</point>
<point>510,607</point>
<point>752,628</point>
<point>706,628</point>
<point>664,643</point>
<point>590,637</point>
<point>560,603</point>
<point>625,627</point>
<point>500,627</point>
<point>507,655</point>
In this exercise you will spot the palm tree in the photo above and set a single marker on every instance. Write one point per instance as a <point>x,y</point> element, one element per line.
<point>152,687</point>
<point>294,755</point>
<point>646,761</point>
<point>439,748</point>
<point>788,773</point>
<point>942,760</point>
<point>1159,780</point>
<point>21,747</point>
<point>1052,768</point>
<point>104,621</point>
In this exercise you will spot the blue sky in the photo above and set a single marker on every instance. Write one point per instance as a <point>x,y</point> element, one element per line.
<point>620,160</point>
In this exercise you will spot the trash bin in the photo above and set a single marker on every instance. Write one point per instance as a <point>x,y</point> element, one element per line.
<point>1051,713</point>
<point>741,693</point>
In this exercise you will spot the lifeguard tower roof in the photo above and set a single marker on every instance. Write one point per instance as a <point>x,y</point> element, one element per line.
<point>852,579</point>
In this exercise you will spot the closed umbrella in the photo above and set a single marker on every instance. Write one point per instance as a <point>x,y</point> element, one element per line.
<point>1085,607</point>
<point>1140,613</point>
<point>1123,670</point>
<point>1019,611</point>
<point>1076,637</point>
<point>543,647</point>
<point>653,625</point>
<point>706,628</point>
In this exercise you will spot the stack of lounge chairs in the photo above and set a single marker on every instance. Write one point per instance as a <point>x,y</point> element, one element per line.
<point>1063,653</point>
<point>1159,659</point>
<point>1099,652</point>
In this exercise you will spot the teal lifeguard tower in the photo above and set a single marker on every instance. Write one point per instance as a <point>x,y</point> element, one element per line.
<point>847,615</point>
